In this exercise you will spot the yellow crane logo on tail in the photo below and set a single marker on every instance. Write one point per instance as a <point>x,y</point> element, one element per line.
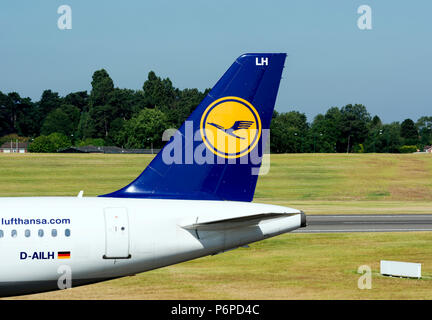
<point>230,127</point>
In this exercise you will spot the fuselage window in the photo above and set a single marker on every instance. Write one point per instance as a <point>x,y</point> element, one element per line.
<point>40,233</point>
<point>67,232</point>
<point>14,233</point>
<point>1,233</point>
<point>27,233</point>
<point>54,232</point>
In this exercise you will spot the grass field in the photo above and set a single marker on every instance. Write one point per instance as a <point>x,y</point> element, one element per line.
<point>315,183</point>
<point>291,266</point>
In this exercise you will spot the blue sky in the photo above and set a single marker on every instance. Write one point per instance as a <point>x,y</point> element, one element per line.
<point>331,62</point>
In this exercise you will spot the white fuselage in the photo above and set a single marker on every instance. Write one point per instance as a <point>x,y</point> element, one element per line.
<point>103,238</point>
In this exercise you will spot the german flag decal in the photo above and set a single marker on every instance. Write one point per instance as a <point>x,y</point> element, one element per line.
<point>63,255</point>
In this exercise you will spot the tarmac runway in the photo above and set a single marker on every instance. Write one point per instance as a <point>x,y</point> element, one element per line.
<point>367,223</point>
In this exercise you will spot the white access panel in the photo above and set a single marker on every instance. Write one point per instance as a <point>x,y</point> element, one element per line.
<point>116,233</point>
<point>400,269</point>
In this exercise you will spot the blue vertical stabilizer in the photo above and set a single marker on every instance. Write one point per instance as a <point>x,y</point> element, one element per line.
<point>216,153</point>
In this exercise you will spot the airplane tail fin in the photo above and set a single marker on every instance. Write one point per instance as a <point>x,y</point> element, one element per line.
<point>217,152</point>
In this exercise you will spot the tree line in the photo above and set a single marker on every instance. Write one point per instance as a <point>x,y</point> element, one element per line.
<point>137,118</point>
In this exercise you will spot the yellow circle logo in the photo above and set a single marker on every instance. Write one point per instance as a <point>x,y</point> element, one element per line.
<point>230,127</point>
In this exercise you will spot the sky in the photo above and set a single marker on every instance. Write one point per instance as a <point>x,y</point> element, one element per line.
<point>331,61</point>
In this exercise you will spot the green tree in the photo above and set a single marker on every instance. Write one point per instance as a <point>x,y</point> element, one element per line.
<point>372,142</point>
<point>424,127</point>
<point>102,88</point>
<point>85,127</point>
<point>100,112</point>
<point>289,133</point>
<point>376,122</point>
<point>326,131</point>
<point>17,115</point>
<point>50,144</point>
<point>158,92</point>
<point>27,112</point>
<point>125,103</point>
<point>91,142</point>
<point>409,133</point>
<point>13,137</point>
<point>78,99</point>
<point>60,141</point>
<point>390,140</point>
<point>187,101</point>
<point>9,105</point>
<point>42,144</point>
<point>408,149</point>
<point>4,115</point>
<point>355,123</point>
<point>144,130</point>
<point>122,106</point>
<point>49,101</point>
<point>101,117</point>
<point>13,103</point>
<point>63,120</point>
<point>106,105</point>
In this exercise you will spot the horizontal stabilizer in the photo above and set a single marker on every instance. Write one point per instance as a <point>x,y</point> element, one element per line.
<point>235,222</point>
